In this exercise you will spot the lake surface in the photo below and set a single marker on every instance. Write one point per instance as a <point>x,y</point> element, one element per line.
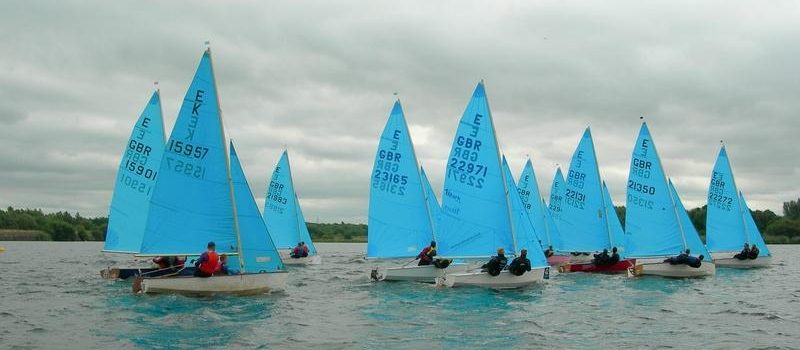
<point>52,296</point>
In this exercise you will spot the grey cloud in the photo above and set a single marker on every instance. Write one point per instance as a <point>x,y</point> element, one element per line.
<point>318,78</point>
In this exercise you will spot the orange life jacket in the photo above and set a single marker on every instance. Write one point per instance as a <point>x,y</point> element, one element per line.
<point>210,266</point>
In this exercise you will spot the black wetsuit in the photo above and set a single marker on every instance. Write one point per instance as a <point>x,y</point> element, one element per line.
<point>496,264</point>
<point>519,266</point>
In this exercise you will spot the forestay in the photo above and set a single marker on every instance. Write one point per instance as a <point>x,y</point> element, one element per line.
<point>582,212</point>
<point>399,223</point>
<point>691,236</point>
<point>282,212</point>
<point>192,199</point>
<point>752,230</point>
<point>524,231</point>
<point>475,212</point>
<point>259,253</point>
<point>651,224</point>
<point>136,179</point>
<point>614,225</point>
<point>430,195</point>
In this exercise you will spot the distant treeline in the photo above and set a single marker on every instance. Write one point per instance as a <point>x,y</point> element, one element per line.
<point>33,224</point>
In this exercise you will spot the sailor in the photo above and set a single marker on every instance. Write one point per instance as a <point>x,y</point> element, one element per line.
<point>222,268</point>
<point>299,251</point>
<point>745,253</point>
<point>694,262</point>
<point>208,262</point>
<point>426,255</point>
<point>753,252</point>
<point>549,252</point>
<point>614,256</point>
<point>602,258</point>
<point>497,263</point>
<point>680,259</point>
<point>520,264</point>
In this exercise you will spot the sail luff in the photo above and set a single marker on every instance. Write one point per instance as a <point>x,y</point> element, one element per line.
<point>226,150</point>
<point>677,218</point>
<point>602,197</point>
<point>737,193</point>
<point>421,185</point>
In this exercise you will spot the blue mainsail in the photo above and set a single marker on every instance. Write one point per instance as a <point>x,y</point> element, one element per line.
<point>399,223</point>
<point>582,213</point>
<point>752,230</point>
<point>528,189</point>
<point>651,221</point>
<point>556,202</point>
<point>725,224</point>
<point>136,178</point>
<point>552,227</point>
<point>617,235</point>
<point>692,238</point>
<point>258,251</point>
<point>192,199</point>
<point>524,231</point>
<point>282,212</point>
<point>475,217</point>
<point>430,195</point>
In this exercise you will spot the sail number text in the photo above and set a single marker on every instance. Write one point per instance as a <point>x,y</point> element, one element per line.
<point>187,149</point>
<point>716,193</point>
<point>385,176</point>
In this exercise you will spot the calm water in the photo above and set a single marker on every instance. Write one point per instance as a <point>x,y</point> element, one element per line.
<point>51,296</point>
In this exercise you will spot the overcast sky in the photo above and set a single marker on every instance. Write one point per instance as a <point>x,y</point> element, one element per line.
<point>318,77</point>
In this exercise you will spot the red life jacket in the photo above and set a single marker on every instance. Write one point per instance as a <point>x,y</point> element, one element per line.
<point>211,265</point>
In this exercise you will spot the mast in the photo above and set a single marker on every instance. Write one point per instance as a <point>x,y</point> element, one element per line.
<point>161,110</point>
<point>737,193</point>
<point>602,193</point>
<point>502,176</point>
<point>294,194</point>
<point>227,166</point>
<point>417,167</point>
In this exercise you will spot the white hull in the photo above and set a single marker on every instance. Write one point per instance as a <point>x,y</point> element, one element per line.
<point>727,260</point>
<point>254,283</point>
<point>657,267</point>
<point>309,260</point>
<point>505,280</point>
<point>425,274</point>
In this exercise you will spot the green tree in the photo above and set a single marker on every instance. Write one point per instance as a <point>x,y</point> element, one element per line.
<point>784,227</point>
<point>61,231</point>
<point>791,209</point>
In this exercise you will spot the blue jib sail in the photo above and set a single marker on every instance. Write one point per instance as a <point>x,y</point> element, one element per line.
<point>282,212</point>
<point>399,223</point>
<point>475,212</point>
<point>651,222</point>
<point>692,238</point>
<point>752,230</point>
<point>136,178</point>
<point>725,227</point>
<point>430,195</point>
<point>258,250</point>
<point>614,225</point>
<point>554,208</point>
<point>583,213</point>
<point>524,231</point>
<point>192,200</point>
<point>528,189</point>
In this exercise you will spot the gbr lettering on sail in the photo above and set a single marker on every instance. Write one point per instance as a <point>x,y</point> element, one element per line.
<point>463,166</point>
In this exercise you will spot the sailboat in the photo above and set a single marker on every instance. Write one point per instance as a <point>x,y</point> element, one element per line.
<point>656,223</point>
<point>202,195</point>
<point>729,223</point>
<point>401,217</point>
<point>533,202</point>
<point>554,217</point>
<point>588,213</point>
<point>284,218</point>
<point>136,178</point>
<point>477,214</point>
